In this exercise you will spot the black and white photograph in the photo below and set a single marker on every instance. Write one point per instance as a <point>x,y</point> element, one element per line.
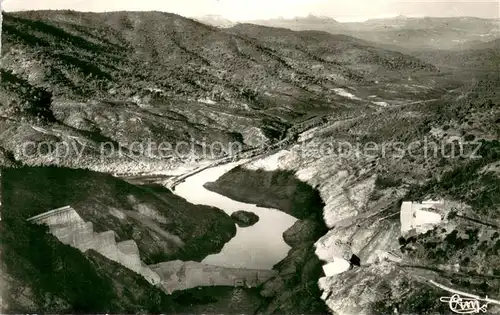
<point>313,157</point>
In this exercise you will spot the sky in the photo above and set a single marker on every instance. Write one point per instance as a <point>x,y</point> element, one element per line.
<point>241,10</point>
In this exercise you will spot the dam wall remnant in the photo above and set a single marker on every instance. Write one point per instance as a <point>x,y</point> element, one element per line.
<point>60,216</point>
<point>181,275</point>
<point>70,229</point>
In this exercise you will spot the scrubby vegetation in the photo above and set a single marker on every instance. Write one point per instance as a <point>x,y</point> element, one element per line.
<point>419,300</point>
<point>244,218</point>
<point>57,278</point>
<point>163,77</point>
<point>387,182</point>
<point>225,300</point>
<point>23,101</point>
<point>97,53</point>
<point>280,190</point>
<point>466,182</point>
<point>476,251</point>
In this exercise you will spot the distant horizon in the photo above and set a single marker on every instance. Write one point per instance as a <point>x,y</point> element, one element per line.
<point>272,18</point>
<point>388,17</point>
<point>249,10</point>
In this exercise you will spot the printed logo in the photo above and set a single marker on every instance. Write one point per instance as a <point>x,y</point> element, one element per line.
<point>462,305</point>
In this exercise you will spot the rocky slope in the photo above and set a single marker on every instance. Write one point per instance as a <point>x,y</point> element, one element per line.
<point>361,208</point>
<point>299,271</point>
<point>97,82</point>
<point>474,55</point>
<point>225,300</point>
<point>90,79</point>
<point>164,225</point>
<point>162,51</point>
<point>363,188</point>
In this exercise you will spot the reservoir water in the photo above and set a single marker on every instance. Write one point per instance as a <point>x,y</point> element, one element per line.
<point>259,246</point>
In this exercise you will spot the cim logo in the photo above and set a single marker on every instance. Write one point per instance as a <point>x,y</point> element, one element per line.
<point>462,305</point>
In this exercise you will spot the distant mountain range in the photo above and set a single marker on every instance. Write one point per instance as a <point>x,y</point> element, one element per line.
<point>216,20</point>
<point>219,84</point>
<point>408,33</point>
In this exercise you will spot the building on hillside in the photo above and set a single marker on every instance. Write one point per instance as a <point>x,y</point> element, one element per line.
<point>420,217</point>
<point>337,266</point>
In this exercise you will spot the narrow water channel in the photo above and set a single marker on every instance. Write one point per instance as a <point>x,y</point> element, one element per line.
<point>256,247</point>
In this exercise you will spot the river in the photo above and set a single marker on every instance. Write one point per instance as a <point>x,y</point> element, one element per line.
<point>260,246</point>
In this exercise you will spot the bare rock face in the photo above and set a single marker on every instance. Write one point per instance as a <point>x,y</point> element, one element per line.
<point>381,289</point>
<point>362,239</point>
<point>303,231</point>
<point>298,276</point>
<point>244,218</point>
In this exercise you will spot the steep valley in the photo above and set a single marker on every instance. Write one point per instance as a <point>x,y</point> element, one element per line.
<point>123,77</point>
<point>335,132</point>
<point>362,194</point>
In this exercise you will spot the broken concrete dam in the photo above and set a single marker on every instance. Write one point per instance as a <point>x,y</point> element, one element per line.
<point>69,228</point>
<point>181,275</point>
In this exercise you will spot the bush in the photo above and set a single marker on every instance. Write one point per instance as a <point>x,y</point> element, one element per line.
<point>470,137</point>
<point>386,182</point>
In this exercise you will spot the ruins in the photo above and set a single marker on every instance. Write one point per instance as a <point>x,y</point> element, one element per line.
<point>420,217</point>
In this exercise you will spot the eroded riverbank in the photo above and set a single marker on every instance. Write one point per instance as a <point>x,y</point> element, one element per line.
<point>290,221</point>
<point>295,289</point>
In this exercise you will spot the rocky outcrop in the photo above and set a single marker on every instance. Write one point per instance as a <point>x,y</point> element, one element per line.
<point>298,276</point>
<point>360,231</point>
<point>271,189</point>
<point>360,228</point>
<point>363,218</point>
<point>366,290</point>
<point>41,274</point>
<point>245,218</point>
<point>304,231</point>
<point>297,273</point>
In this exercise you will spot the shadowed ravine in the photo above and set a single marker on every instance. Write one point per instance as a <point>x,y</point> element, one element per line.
<point>278,241</point>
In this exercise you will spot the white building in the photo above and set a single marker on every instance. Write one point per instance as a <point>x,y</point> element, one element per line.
<point>336,267</point>
<point>420,216</point>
